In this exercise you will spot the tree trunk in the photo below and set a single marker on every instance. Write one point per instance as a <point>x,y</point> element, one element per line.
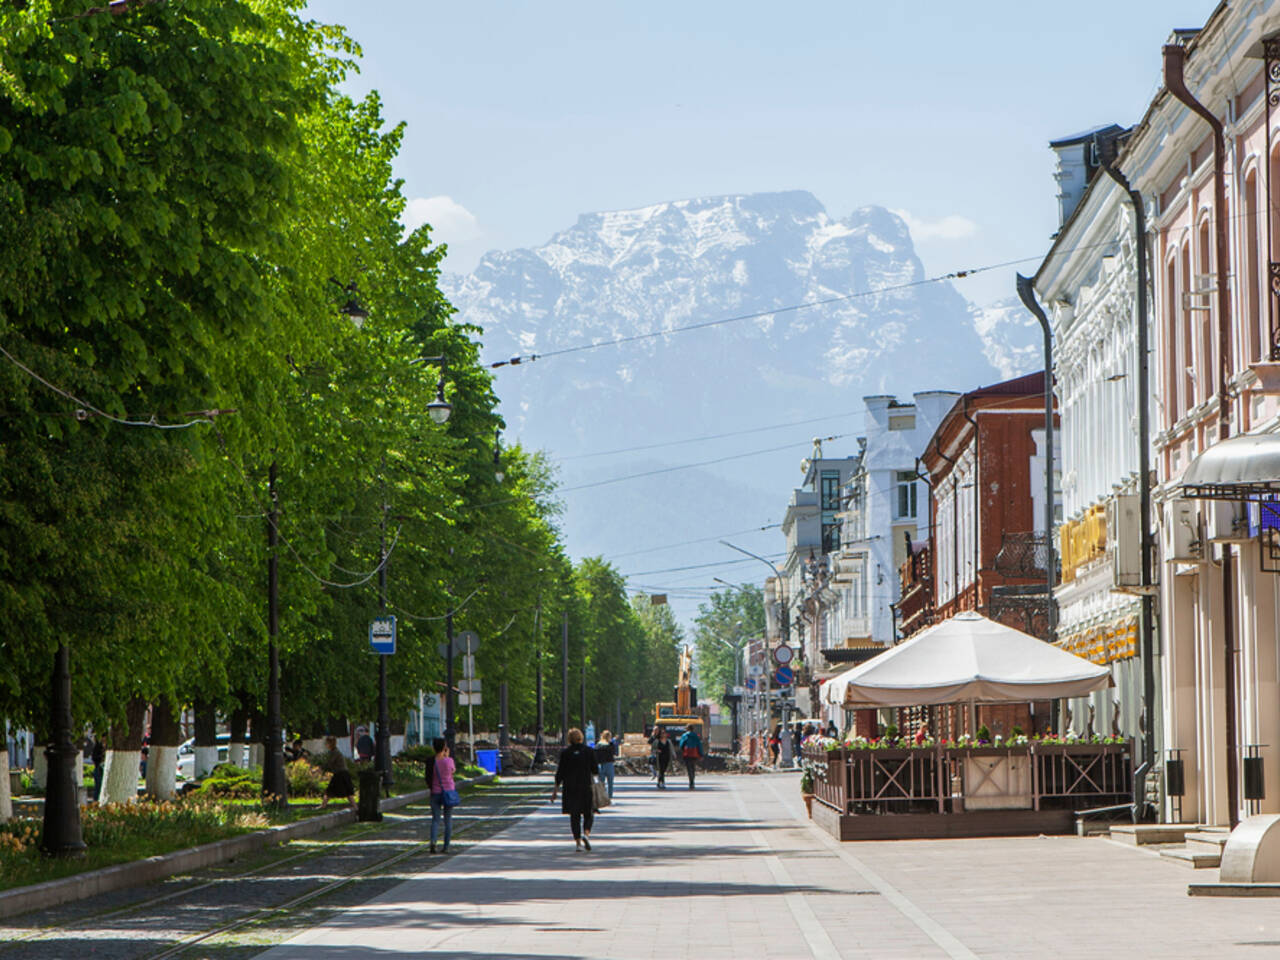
<point>6,797</point>
<point>238,754</point>
<point>162,754</point>
<point>257,735</point>
<point>39,766</point>
<point>206,747</point>
<point>124,755</point>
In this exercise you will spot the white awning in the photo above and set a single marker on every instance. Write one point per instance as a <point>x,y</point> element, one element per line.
<point>966,658</point>
<point>1238,468</point>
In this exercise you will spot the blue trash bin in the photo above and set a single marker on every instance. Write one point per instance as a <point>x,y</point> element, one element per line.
<point>487,760</point>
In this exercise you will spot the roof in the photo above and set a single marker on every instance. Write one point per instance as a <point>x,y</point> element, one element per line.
<point>1030,385</point>
<point>1085,135</point>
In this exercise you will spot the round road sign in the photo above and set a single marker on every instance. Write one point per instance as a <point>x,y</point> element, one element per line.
<point>783,654</point>
<point>784,676</point>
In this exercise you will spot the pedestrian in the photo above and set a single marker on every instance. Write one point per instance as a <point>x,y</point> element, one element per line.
<point>797,738</point>
<point>832,731</point>
<point>364,745</point>
<point>296,751</point>
<point>444,793</point>
<point>691,752</point>
<point>775,743</point>
<point>606,752</point>
<point>662,751</point>
<point>575,772</point>
<point>99,758</point>
<point>340,783</point>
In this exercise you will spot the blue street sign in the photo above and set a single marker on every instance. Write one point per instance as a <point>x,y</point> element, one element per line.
<point>382,634</point>
<point>751,683</point>
<point>784,676</point>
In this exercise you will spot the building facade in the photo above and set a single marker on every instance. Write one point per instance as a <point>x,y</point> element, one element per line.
<point>1088,283</point>
<point>1216,591</point>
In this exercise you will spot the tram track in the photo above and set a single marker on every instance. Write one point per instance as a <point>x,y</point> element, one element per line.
<point>409,823</point>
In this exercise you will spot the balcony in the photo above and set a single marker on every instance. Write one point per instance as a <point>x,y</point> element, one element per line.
<point>1023,555</point>
<point>1024,608</point>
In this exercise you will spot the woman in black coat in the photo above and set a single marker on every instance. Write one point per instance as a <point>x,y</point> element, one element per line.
<point>576,772</point>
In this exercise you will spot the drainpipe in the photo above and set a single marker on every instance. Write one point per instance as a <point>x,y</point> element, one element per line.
<point>1174,60</point>
<point>977,590</point>
<point>1028,295</point>
<point>1144,459</point>
<point>955,520</point>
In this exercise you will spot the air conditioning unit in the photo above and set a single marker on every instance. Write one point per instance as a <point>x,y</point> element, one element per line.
<point>1227,521</point>
<point>1181,527</point>
<point>1124,539</point>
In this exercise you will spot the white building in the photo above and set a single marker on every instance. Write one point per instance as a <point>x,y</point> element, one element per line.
<point>1088,284</point>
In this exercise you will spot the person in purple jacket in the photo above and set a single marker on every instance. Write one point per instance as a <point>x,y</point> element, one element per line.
<point>439,779</point>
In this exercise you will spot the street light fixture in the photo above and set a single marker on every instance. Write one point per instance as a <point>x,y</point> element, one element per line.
<point>498,473</point>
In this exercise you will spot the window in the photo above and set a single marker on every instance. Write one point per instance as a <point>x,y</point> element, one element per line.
<point>906,495</point>
<point>902,421</point>
<point>830,537</point>
<point>830,490</point>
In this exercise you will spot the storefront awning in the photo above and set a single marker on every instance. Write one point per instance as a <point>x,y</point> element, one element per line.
<point>1240,468</point>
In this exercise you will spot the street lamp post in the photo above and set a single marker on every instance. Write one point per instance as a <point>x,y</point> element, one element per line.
<point>786,638</point>
<point>275,783</point>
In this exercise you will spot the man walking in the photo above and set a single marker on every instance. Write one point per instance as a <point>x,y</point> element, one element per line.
<point>691,752</point>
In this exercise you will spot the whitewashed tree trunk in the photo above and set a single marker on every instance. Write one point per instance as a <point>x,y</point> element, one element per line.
<point>256,753</point>
<point>206,760</point>
<point>162,771</point>
<point>397,744</point>
<point>39,767</point>
<point>120,776</point>
<point>6,798</point>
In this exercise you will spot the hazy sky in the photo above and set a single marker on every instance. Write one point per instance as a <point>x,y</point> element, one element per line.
<point>523,115</point>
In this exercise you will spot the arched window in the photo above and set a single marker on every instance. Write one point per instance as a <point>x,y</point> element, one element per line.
<point>1204,318</point>
<point>1185,338</point>
<point>1251,338</point>
<point>1172,408</point>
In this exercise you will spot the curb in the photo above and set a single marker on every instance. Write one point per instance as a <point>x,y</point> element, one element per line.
<point>52,893</point>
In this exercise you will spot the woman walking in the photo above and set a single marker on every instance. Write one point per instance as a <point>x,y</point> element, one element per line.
<point>577,769</point>
<point>775,743</point>
<point>691,751</point>
<point>340,784</point>
<point>606,752</point>
<point>444,793</point>
<point>662,747</point>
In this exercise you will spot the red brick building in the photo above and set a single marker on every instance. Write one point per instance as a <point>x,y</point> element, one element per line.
<point>987,548</point>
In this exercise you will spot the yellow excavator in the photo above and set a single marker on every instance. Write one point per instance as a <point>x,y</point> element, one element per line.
<point>684,713</point>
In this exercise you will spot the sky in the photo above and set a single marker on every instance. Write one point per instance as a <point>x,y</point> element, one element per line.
<point>520,116</point>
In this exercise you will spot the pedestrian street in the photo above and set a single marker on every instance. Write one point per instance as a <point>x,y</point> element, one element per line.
<point>733,869</point>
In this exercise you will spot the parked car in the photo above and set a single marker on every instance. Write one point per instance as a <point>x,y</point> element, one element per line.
<point>187,755</point>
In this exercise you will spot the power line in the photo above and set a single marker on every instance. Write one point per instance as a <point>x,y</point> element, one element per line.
<point>696,566</point>
<point>685,543</point>
<point>84,408</point>
<point>714,436</point>
<point>761,314</point>
<point>701,463</point>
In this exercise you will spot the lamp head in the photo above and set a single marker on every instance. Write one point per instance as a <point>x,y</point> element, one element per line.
<point>439,409</point>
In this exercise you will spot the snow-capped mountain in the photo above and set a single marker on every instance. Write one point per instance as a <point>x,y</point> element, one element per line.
<point>1011,337</point>
<point>832,310</point>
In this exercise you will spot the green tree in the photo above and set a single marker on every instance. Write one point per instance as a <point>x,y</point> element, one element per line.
<point>732,616</point>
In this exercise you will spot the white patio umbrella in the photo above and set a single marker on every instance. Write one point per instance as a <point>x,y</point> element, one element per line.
<point>967,658</point>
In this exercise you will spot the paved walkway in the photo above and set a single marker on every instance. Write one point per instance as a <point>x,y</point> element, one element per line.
<point>730,870</point>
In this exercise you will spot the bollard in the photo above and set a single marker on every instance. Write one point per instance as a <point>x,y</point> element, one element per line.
<point>369,789</point>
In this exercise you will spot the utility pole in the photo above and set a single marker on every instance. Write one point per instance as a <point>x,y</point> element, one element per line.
<point>582,715</point>
<point>382,742</point>
<point>539,747</point>
<point>448,680</point>
<point>275,784</point>
<point>564,682</point>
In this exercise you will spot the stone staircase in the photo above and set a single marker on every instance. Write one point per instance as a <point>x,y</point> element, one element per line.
<point>1193,845</point>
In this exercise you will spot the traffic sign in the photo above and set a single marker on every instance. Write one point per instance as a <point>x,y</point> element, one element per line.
<point>784,676</point>
<point>756,670</point>
<point>442,649</point>
<point>466,642</point>
<point>468,699</point>
<point>382,634</point>
<point>469,686</point>
<point>468,666</point>
<point>751,683</point>
<point>782,655</point>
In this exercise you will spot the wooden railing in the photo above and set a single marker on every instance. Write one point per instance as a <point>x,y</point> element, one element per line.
<point>942,779</point>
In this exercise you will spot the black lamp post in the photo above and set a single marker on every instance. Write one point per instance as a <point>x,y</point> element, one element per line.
<point>275,783</point>
<point>62,836</point>
<point>439,410</point>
